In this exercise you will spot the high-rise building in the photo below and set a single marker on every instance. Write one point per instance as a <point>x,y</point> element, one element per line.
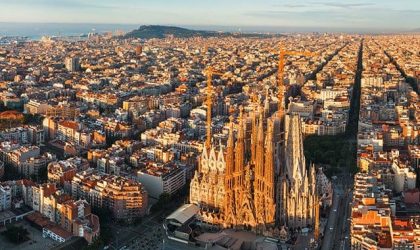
<point>72,64</point>
<point>5,198</point>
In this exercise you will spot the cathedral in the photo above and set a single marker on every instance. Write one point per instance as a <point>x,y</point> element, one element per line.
<point>298,186</point>
<point>259,180</point>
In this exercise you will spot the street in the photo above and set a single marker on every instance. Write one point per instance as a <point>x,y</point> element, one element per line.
<point>337,228</point>
<point>148,234</point>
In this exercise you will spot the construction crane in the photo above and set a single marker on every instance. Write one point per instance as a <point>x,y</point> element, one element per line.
<point>209,73</point>
<point>280,73</point>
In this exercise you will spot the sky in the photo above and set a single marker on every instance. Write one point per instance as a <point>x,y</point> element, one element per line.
<point>377,15</point>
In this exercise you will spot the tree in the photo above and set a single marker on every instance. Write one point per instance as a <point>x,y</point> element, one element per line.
<point>32,119</point>
<point>105,216</point>
<point>16,234</point>
<point>336,151</point>
<point>11,173</point>
<point>96,244</point>
<point>162,203</point>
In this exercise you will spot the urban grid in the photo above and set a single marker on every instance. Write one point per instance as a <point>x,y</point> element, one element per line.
<point>162,137</point>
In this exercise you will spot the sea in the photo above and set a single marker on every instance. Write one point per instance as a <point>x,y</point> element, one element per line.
<point>35,31</point>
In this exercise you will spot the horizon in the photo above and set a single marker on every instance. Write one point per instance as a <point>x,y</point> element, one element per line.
<point>372,16</point>
<point>38,29</point>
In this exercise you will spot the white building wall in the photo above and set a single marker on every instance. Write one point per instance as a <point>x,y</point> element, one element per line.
<point>153,184</point>
<point>5,198</point>
<point>175,182</point>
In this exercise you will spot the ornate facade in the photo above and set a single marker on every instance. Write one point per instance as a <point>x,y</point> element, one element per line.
<point>298,185</point>
<point>249,184</point>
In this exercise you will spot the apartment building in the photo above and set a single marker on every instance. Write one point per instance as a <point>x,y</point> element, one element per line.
<point>127,199</point>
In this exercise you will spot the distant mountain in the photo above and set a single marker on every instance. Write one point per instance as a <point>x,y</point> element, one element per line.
<point>158,31</point>
<point>416,30</point>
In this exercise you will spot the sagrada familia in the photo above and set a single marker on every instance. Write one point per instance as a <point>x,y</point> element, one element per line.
<point>258,181</point>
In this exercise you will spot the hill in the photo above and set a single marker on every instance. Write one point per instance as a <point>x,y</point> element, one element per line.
<point>158,31</point>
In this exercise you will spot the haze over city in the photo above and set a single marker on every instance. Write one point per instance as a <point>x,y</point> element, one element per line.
<point>266,15</point>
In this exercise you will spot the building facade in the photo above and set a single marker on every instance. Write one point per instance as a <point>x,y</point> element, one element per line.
<point>250,184</point>
<point>125,198</point>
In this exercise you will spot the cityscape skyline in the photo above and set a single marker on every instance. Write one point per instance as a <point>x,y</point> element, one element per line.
<point>210,125</point>
<point>317,15</point>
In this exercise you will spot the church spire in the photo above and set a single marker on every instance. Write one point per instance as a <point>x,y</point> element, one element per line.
<point>259,157</point>
<point>230,150</point>
<point>241,122</point>
<point>229,199</point>
<point>269,154</point>
<point>240,147</point>
<point>254,138</point>
<point>267,104</point>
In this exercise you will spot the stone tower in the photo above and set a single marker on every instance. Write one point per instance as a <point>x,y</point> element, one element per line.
<point>260,187</point>
<point>297,183</point>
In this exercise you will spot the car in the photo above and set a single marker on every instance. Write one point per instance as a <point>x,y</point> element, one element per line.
<point>331,228</point>
<point>335,210</point>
